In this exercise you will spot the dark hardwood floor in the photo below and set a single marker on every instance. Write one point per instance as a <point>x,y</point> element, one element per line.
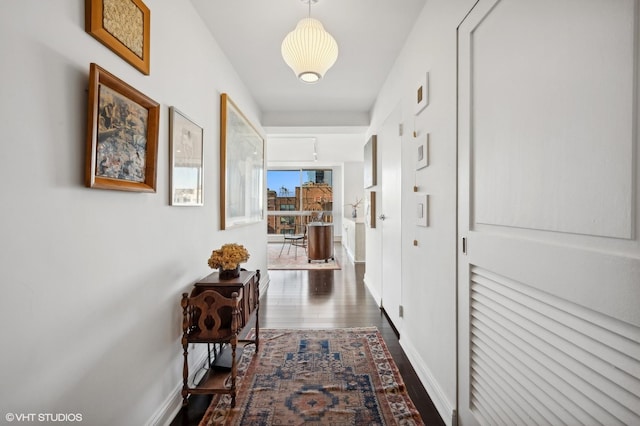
<point>326,299</point>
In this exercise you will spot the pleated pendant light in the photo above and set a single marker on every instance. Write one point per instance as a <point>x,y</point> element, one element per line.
<point>309,50</point>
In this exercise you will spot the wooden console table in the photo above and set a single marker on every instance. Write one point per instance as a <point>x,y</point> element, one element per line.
<point>245,290</point>
<point>247,285</point>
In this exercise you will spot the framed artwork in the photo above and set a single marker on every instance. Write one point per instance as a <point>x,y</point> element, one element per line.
<point>241,168</point>
<point>422,94</point>
<point>123,26</point>
<point>370,162</point>
<point>422,152</point>
<point>186,143</point>
<point>370,210</point>
<point>122,135</point>
<point>422,210</point>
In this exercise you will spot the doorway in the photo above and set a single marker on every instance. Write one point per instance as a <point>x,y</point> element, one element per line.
<point>389,143</point>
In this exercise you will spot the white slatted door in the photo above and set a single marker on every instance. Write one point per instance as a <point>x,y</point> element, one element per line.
<point>549,286</point>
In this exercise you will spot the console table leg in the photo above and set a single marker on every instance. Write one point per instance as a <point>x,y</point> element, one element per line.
<point>185,375</point>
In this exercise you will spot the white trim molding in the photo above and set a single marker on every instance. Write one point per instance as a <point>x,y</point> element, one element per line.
<point>445,408</point>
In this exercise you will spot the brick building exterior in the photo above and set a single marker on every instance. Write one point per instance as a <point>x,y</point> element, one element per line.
<point>315,197</point>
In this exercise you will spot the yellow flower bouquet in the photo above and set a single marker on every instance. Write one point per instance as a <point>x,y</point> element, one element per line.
<point>228,257</point>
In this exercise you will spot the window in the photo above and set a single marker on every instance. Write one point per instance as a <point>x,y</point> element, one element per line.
<point>305,191</point>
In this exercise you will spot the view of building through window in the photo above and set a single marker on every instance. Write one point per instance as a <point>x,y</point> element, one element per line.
<point>295,197</point>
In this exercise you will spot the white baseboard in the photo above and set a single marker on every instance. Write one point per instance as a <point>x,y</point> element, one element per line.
<point>168,410</point>
<point>375,294</point>
<point>440,400</point>
<point>170,407</point>
<point>349,254</point>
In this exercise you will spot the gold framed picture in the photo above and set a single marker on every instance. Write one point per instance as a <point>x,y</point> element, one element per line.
<point>241,168</point>
<point>123,26</point>
<point>122,135</point>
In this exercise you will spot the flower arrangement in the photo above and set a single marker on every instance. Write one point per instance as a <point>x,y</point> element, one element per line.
<point>229,256</point>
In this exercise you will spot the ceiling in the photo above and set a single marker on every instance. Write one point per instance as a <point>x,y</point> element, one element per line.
<point>369,33</point>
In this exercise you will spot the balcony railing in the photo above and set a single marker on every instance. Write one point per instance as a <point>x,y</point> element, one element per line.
<point>286,222</point>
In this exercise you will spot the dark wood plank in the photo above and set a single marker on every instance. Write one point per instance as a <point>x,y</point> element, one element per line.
<point>326,299</point>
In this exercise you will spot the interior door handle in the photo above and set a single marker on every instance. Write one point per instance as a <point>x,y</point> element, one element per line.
<point>382,217</point>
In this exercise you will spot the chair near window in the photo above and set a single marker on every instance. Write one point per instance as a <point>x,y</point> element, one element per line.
<point>297,239</point>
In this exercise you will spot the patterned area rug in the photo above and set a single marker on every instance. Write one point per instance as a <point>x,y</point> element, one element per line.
<point>289,260</point>
<point>317,377</point>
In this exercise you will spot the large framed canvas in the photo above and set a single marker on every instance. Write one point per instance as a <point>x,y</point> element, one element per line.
<point>186,157</point>
<point>122,135</point>
<point>123,26</point>
<point>370,162</point>
<point>241,168</point>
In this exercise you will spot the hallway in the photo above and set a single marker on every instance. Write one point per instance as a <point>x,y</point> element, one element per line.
<point>326,299</point>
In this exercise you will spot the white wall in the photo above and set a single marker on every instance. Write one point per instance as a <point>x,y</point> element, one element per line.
<point>428,270</point>
<point>353,186</point>
<point>91,279</point>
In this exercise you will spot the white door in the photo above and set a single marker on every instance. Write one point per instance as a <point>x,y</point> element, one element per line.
<point>389,150</point>
<point>549,286</point>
